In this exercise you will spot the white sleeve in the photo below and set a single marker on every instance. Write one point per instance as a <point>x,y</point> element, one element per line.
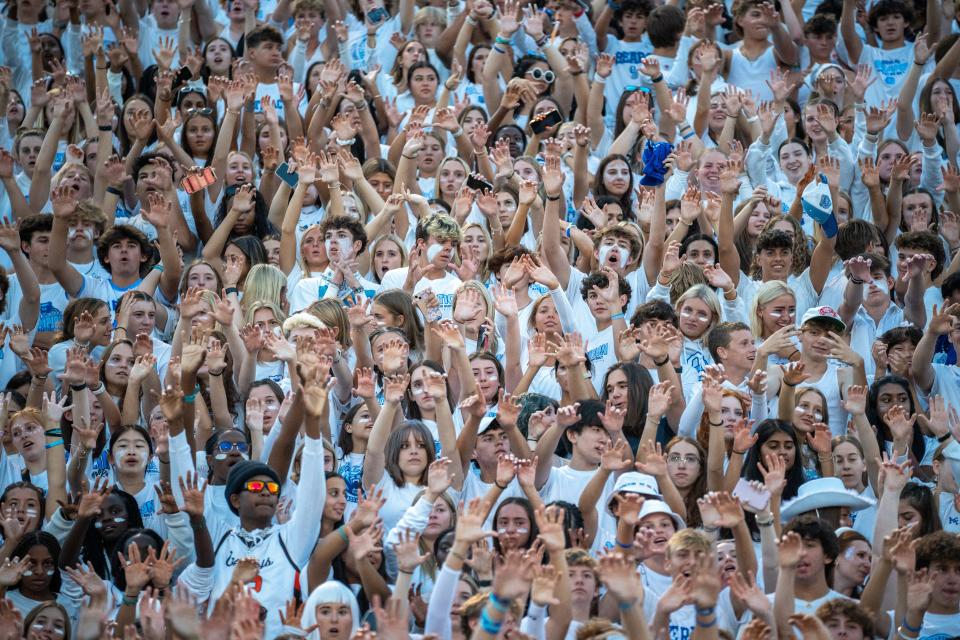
<point>414,519</point>
<point>441,602</point>
<point>564,310</point>
<point>180,534</point>
<point>298,59</point>
<point>303,529</point>
<point>198,581</point>
<point>757,157</point>
<point>659,292</point>
<point>181,461</point>
<point>930,176</point>
<point>535,622</point>
<point>690,419</point>
<point>676,185</point>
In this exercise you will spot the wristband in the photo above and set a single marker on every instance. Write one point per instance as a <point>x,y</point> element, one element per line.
<point>787,383</point>
<point>499,603</point>
<point>499,50</point>
<point>459,131</point>
<point>456,555</point>
<point>99,390</point>
<point>919,64</point>
<point>484,583</point>
<point>765,523</point>
<point>624,546</point>
<point>190,398</point>
<point>500,40</point>
<point>566,231</point>
<point>662,362</point>
<point>739,453</point>
<point>906,626</point>
<point>79,387</point>
<point>409,573</point>
<point>715,424</point>
<point>217,374</point>
<point>552,198</point>
<point>626,605</point>
<point>489,626</point>
<point>598,78</point>
<point>162,461</point>
<point>711,529</point>
<point>343,534</point>
<point>659,78</point>
<point>105,128</point>
<point>114,191</point>
<point>54,433</point>
<point>408,157</point>
<point>230,290</point>
<point>857,281</point>
<point>752,119</point>
<point>346,143</point>
<point>157,267</point>
<point>129,601</point>
<point>944,437</point>
<point>504,488</point>
<point>199,525</point>
<point>706,611</point>
<point>471,21</point>
<point>55,443</point>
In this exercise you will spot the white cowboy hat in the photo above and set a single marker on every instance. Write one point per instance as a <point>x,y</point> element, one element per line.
<point>634,482</point>
<point>821,494</point>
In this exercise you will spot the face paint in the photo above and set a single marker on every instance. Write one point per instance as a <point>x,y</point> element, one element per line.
<point>76,231</point>
<point>621,254</point>
<point>433,251</point>
<point>881,283</point>
<point>117,520</point>
<point>518,531</point>
<point>344,246</point>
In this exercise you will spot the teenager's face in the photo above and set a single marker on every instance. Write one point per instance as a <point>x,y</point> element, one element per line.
<point>907,514</point>
<point>695,317</point>
<point>28,439</point>
<point>524,169</point>
<point>81,233</point>
<point>731,412</point>
<point>775,263</point>
<point>475,240</point>
<point>27,152</point>
<point>753,24</point>
<point>423,84</point>
<point>487,377</point>
<point>513,527</point>
<point>340,245</point>
<point>781,445</point>
<point>900,356</point>
<point>726,560</point>
<point>418,389</point>
<point>102,327</point>
<point>24,505</point>
<point>812,559</point>
<point>662,527</point>
<point>547,320</point>
<point>614,252</point>
<point>778,313</point>
<point>633,24</point>
<point>202,276</point>
<point>890,395</point>
<point>441,517</point>
<point>143,317</point>
<point>359,429</point>
<point>452,176</point>
<point>888,156</point>
<point>808,411</point>
<point>239,169</point>
<point>414,52</point>
<point>267,54</point>
<point>616,177</point>
<point>700,253</point>
<point>78,180</point>
<point>854,562</point>
<point>41,567</point>
<point>711,164</point>
<point>821,46</point>
<point>843,628</point>
<point>490,445</point>
<point>118,365</point>
<point>218,57</point>
<point>336,502</point>
<point>413,456</point>
<point>124,256</point>
<point>590,443</point>
<point>428,32</point>
<point>917,209</point>
<point>849,465</point>
<point>890,27</point>
<point>742,350</point>
<point>479,59</point>
<point>271,405</point>
<point>506,207</point>
<point>583,584</point>
<point>335,620</point>
<point>382,183</point>
<point>617,390</point>
<point>49,624</point>
<point>683,464</point>
<point>113,519</point>
<point>199,134</point>
<point>131,452</point>
<point>946,582</point>
<point>794,161</point>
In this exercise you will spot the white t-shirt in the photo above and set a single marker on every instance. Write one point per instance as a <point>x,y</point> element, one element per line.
<point>444,288</point>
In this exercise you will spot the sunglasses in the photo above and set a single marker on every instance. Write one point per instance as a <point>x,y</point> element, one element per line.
<point>539,74</point>
<point>634,87</point>
<point>203,111</point>
<point>226,447</point>
<point>256,486</point>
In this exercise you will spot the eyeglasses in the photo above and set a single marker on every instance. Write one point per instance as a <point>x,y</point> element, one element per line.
<point>226,447</point>
<point>547,76</point>
<point>677,459</point>
<point>256,486</point>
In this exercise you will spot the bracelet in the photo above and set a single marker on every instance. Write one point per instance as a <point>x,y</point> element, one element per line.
<point>706,611</point>
<point>343,534</point>
<point>457,555</point>
<point>190,398</point>
<point>707,625</point>
<point>484,583</point>
<point>552,198</point>
<point>752,119</point>
<point>235,112</point>
<point>408,157</point>
<point>919,64</point>
<point>499,603</point>
<point>100,390</point>
<point>711,529</point>
<point>714,424</point>
<point>114,191</point>
<point>504,488</point>
<point>499,50</point>
<point>598,78</point>
<point>346,143</point>
<point>662,362</point>
<point>162,461</point>
<point>409,573</point>
<point>217,374</point>
<point>55,443</point>
<point>624,546</point>
<point>500,40</point>
<point>787,383</point>
<point>533,440</point>
<point>54,433</point>
<point>739,453</point>
<point>678,369</point>
<point>230,290</point>
<point>471,21</point>
<point>39,377</point>
<point>458,132</point>
<point>489,626</point>
<point>765,523</point>
<point>617,316</point>
<point>199,525</point>
<point>626,605</point>
<point>157,267</point>
<point>944,437</point>
<point>906,626</point>
<point>79,387</point>
<point>856,281</point>
<point>824,457</point>
<point>105,128</point>
<point>659,78</point>
<point>734,115</point>
<point>129,601</point>
<point>81,452</point>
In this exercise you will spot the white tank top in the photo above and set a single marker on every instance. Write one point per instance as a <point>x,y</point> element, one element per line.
<point>829,386</point>
<point>752,74</point>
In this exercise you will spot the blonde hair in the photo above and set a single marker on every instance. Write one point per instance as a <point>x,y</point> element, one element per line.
<point>274,308</point>
<point>767,293</point>
<point>689,540</point>
<point>461,161</point>
<point>686,276</point>
<point>264,283</point>
<point>430,15</point>
<point>707,295</point>
<point>331,313</point>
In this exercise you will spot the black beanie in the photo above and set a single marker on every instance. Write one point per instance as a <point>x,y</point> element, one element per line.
<point>243,471</point>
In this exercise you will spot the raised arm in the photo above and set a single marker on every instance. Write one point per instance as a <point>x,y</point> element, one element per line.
<point>375,459</point>
<point>848,31</point>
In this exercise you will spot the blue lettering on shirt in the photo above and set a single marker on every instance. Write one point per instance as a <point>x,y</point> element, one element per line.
<point>891,69</point>
<point>597,354</point>
<point>678,632</point>
<point>445,300</point>
<point>51,318</point>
